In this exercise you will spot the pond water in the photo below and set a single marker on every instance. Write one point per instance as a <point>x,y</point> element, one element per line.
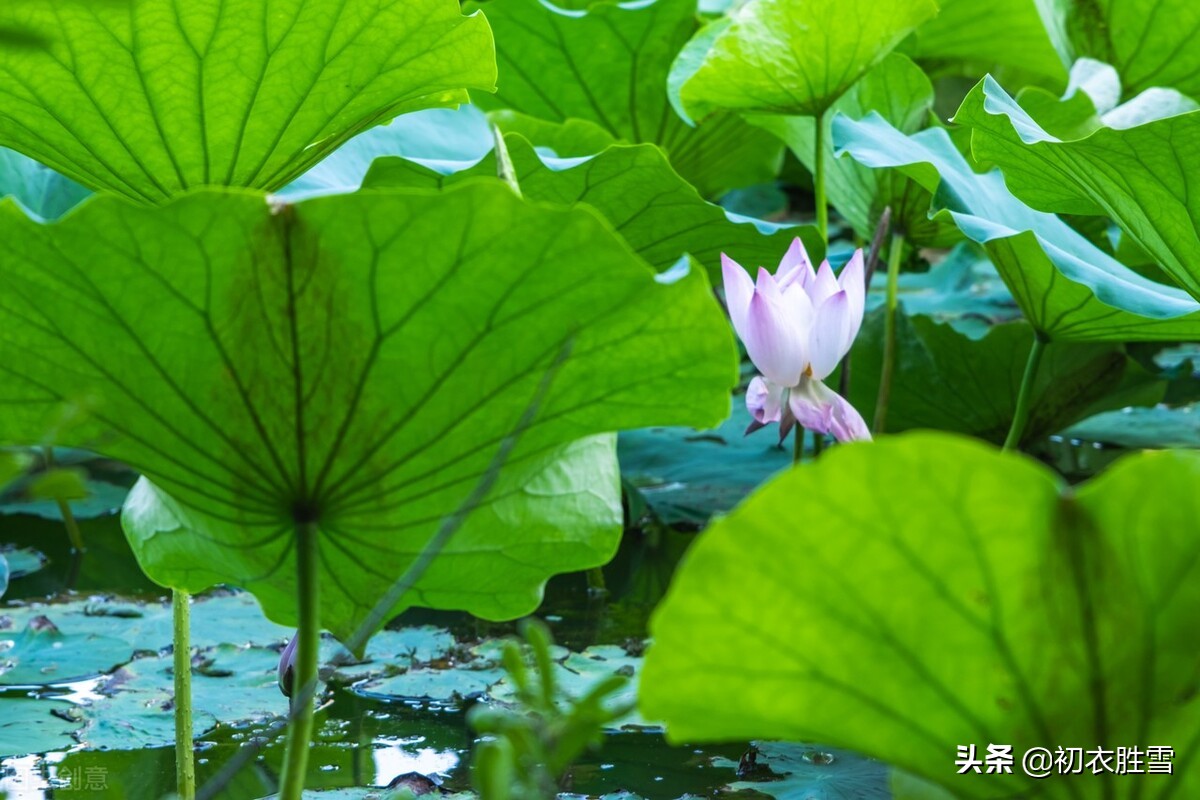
<point>364,737</point>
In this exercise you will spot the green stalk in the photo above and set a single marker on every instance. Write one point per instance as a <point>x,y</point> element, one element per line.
<point>889,333</point>
<point>798,445</point>
<point>64,510</point>
<point>819,181</point>
<point>185,765</point>
<point>295,760</point>
<point>1025,395</point>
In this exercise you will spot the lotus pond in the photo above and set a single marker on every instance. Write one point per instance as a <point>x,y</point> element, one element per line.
<point>515,399</point>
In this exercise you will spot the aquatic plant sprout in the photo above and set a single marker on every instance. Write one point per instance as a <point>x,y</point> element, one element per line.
<point>798,325</point>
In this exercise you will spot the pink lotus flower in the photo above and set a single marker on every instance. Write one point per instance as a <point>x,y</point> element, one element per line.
<point>797,326</point>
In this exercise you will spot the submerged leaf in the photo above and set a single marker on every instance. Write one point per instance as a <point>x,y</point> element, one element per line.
<point>354,361</point>
<point>789,56</point>
<point>579,80</point>
<point>919,608</point>
<point>152,98</point>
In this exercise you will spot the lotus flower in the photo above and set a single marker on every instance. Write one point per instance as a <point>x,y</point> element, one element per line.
<point>797,326</point>
<point>287,666</point>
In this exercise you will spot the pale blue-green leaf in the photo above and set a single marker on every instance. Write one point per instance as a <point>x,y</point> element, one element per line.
<point>1067,287</point>
<point>657,213</point>
<point>1147,178</point>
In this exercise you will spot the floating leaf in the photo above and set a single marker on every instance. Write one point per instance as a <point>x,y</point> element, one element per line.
<point>793,57</point>
<point>1144,177</point>
<point>41,654</point>
<point>600,75</point>
<point>1142,428</point>
<point>259,366</point>
<point>633,187</point>
<point>963,290</point>
<point>687,475</point>
<point>948,381</point>
<point>153,99</point>
<point>30,725</point>
<point>903,609</point>
<point>24,561</point>
<point>898,90</point>
<point>808,772</point>
<point>1068,289</point>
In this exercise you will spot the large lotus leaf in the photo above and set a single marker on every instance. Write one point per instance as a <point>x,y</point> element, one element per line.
<point>789,56</point>
<point>900,92</point>
<point>1010,32</point>
<point>600,76</point>
<point>948,381</point>
<point>1149,41</point>
<point>1067,287</point>
<point>634,188</point>
<point>154,97</point>
<point>926,591</point>
<point>1147,178</point>
<point>356,361</point>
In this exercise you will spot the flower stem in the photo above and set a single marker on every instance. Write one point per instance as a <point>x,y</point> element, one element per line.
<point>1025,395</point>
<point>798,445</point>
<point>295,761</point>
<point>185,765</point>
<point>819,180</point>
<point>889,332</point>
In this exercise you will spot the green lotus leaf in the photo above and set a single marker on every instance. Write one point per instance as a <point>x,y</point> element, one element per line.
<point>1145,177</point>
<point>900,92</point>
<point>1068,288</point>
<point>151,98</point>
<point>355,361</point>
<point>794,57</point>
<point>634,188</point>
<point>578,80</point>
<point>1075,380</point>
<point>878,601</point>
<point>1148,41</point>
<point>1014,33</point>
